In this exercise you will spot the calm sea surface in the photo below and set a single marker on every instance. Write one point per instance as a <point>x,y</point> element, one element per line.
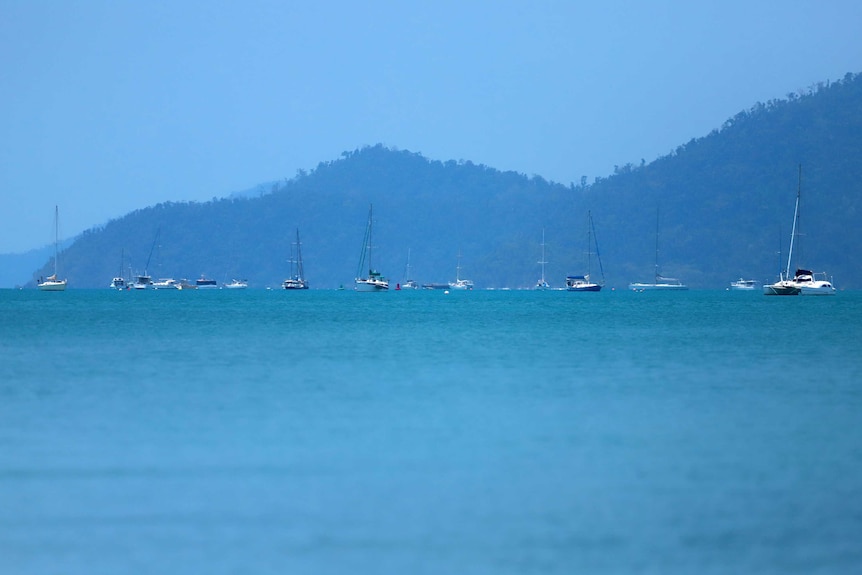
<point>328,432</point>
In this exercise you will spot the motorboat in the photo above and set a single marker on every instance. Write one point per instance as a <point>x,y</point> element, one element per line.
<point>166,283</point>
<point>743,285</point>
<point>206,283</point>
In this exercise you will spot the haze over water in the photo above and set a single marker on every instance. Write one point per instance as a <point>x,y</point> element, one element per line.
<point>417,432</point>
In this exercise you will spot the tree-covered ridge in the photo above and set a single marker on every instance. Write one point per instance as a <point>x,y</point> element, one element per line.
<point>725,202</point>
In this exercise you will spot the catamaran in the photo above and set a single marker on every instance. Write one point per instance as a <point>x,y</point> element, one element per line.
<point>804,281</point>
<point>460,284</point>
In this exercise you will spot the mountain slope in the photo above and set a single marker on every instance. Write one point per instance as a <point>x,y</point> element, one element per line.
<point>725,203</point>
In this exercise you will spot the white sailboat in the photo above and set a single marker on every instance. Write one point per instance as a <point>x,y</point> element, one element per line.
<point>51,283</point>
<point>460,284</point>
<point>542,283</point>
<point>144,281</point>
<point>784,285</point>
<point>297,273</point>
<point>162,283</point>
<point>119,282</point>
<point>660,282</point>
<point>373,281</point>
<point>808,282</point>
<point>584,283</point>
<point>804,281</point>
<point>409,282</point>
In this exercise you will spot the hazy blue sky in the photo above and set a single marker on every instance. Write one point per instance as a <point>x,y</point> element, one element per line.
<point>110,106</point>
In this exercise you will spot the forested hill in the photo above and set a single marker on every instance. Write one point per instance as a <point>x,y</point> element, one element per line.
<point>724,204</point>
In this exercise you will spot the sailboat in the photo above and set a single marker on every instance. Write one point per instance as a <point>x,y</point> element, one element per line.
<point>460,284</point>
<point>804,281</point>
<point>660,282</point>
<point>408,282</point>
<point>373,281</point>
<point>162,283</point>
<point>585,283</point>
<point>542,284</point>
<point>119,282</point>
<point>784,285</point>
<point>297,274</point>
<point>51,283</point>
<point>145,281</point>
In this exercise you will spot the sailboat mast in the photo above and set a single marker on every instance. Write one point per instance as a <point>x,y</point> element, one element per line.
<point>589,245</point>
<point>656,243</point>
<point>407,274</point>
<point>370,225</point>
<point>56,236</point>
<point>795,231</point>
<point>543,262</point>
<point>153,247</point>
<point>300,274</point>
<point>365,256</point>
<point>596,242</point>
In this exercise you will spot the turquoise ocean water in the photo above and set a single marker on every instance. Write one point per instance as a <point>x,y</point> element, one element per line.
<point>327,432</point>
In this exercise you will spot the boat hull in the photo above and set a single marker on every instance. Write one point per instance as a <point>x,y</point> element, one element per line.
<point>585,287</point>
<point>817,290</point>
<point>781,288</point>
<point>53,286</point>
<point>461,285</point>
<point>658,287</point>
<point>371,285</point>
